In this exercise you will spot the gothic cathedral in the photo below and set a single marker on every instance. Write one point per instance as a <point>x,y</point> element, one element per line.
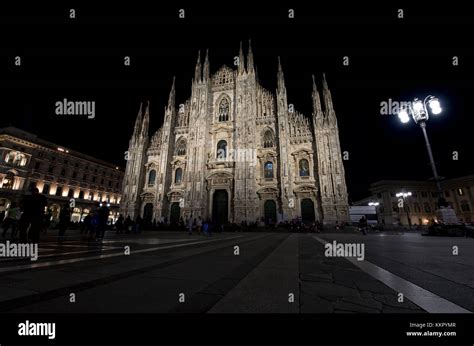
<point>236,152</point>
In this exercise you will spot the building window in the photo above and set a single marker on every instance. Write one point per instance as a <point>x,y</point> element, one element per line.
<point>151,177</point>
<point>63,172</point>
<point>424,194</point>
<point>32,185</point>
<point>414,194</point>
<point>93,179</point>
<point>15,158</point>
<point>416,206</point>
<point>37,165</point>
<point>102,181</point>
<point>84,177</point>
<point>434,194</point>
<point>268,170</point>
<point>59,191</point>
<point>460,192</point>
<point>465,206</point>
<point>304,168</point>
<point>268,139</point>
<point>50,169</point>
<point>447,194</point>
<point>8,180</point>
<point>224,108</point>
<point>74,175</point>
<point>221,149</point>
<point>379,195</point>
<point>81,194</point>
<point>45,189</point>
<point>427,208</point>
<point>66,162</point>
<point>178,176</point>
<point>117,184</point>
<point>109,183</point>
<point>181,147</point>
<point>70,193</point>
<point>53,158</point>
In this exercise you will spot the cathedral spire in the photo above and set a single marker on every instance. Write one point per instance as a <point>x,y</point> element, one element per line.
<point>206,70</point>
<point>327,95</point>
<point>146,121</point>
<point>197,71</point>
<point>171,98</point>
<point>138,121</point>
<point>241,67</point>
<point>317,111</point>
<point>250,67</point>
<point>281,77</point>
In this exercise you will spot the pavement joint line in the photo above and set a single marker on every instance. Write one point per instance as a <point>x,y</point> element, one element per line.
<point>248,266</point>
<point>10,304</point>
<point>90,258</point>
<point>426,271</point>
<point>425,299</point>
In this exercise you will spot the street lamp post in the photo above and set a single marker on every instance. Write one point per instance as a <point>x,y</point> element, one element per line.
<point>404,196</point>
<point>419,112</point>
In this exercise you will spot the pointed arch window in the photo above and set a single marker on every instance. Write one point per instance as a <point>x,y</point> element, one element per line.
<point>221,150</point>
<point>268,139</point>
<point>224,109</point>
<point>181,147</point>
<point>304,168</point>
<point>151,177</point>
<point>178,176</point>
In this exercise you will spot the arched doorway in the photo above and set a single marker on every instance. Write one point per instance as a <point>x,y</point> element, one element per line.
<point>175,212</point>
<point>148,213</point>
<point>220,205</point>
<point>307,210</point>
<point>270,211</point>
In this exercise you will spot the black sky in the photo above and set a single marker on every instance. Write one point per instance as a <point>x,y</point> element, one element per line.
<point>389,58</point>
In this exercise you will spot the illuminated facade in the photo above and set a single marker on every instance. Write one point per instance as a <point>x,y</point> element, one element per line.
<point>422,204</point>
<point>236,152</point>
<point>61,174</point>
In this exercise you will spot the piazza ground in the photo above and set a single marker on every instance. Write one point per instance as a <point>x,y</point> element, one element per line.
<point>273,273</point>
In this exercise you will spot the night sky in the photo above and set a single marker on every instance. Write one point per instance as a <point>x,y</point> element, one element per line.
<point>82,59</point>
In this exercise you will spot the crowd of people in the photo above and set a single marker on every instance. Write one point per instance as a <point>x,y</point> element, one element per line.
<point>27,220</point>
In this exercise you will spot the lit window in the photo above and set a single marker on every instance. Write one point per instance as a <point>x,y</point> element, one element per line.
<point>268,170</point>
<point>460,192</point>
<point>304,168</point>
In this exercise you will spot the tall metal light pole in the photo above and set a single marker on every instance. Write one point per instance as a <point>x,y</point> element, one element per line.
<point>419,112</point>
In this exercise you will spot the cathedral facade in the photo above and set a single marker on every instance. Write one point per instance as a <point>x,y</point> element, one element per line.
<point>235,152</point>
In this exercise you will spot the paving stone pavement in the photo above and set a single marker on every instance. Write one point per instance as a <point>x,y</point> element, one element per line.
<point>333,285</point>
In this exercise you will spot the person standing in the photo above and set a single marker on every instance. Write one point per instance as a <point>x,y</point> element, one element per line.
<point>64,219</point>
<point>33,216</point>
<point>11,220</point>
<point>199,225</point>
<point>119,224</point>
<point>189,225</point>
<point>363,225</point>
